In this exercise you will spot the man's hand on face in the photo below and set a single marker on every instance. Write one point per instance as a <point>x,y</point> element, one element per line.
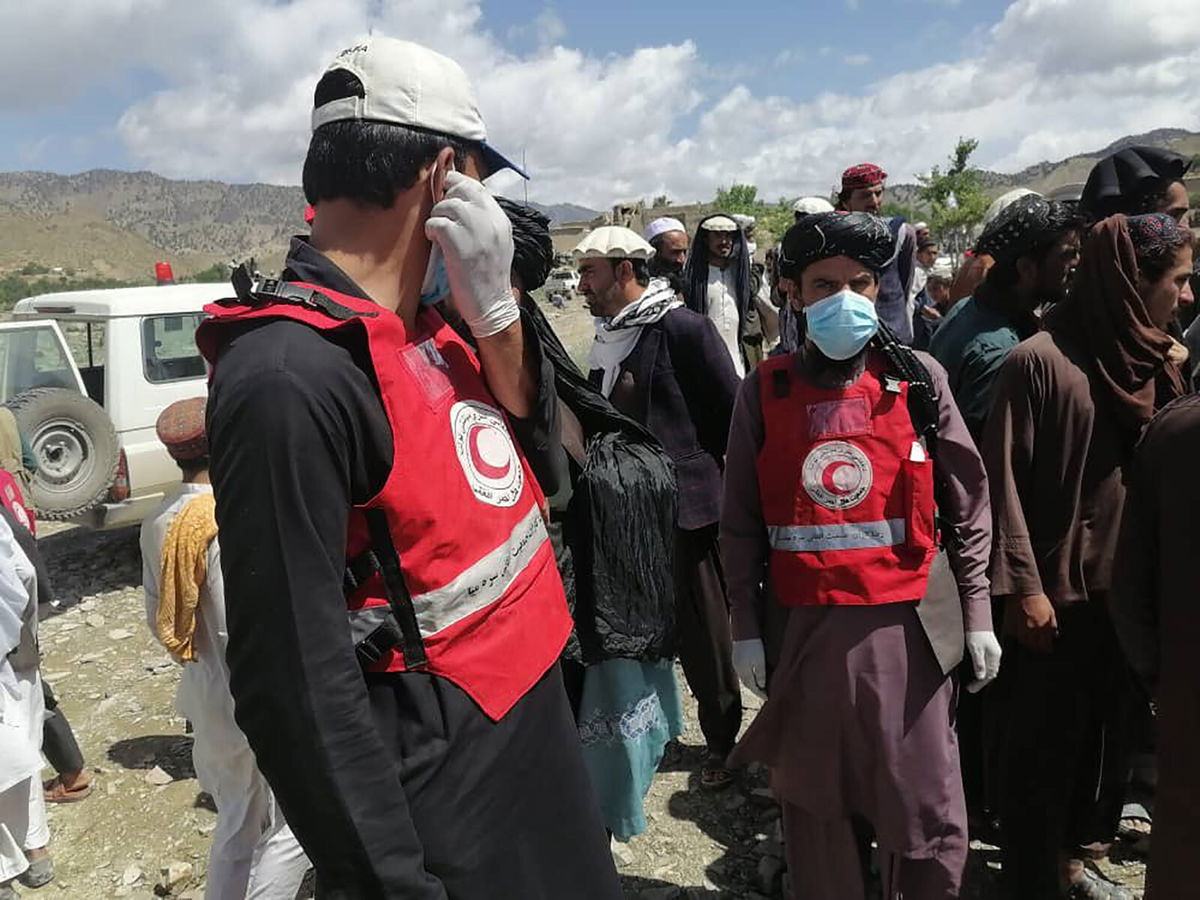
<point>1032,621</point>
<point>476,239</point>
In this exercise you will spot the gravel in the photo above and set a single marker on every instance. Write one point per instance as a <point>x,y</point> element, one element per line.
<point>147,826</point>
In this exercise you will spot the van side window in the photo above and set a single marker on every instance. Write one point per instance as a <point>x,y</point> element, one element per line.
<point>86,340</point>
<point>169,348</point>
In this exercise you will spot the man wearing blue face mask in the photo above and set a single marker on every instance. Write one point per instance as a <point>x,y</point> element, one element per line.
<point>848,468</point>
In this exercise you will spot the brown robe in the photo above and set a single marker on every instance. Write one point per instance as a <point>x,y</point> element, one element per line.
<point>858,720</point>
<point>1054,451</point>
<point>1155,610</point>
<point>1054,464</point>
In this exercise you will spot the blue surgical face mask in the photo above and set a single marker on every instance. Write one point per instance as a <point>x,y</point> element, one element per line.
<point>841,324</point>
<point>436,286</point>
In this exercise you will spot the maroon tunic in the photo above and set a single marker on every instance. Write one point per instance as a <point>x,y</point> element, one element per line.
<point>858,720</point>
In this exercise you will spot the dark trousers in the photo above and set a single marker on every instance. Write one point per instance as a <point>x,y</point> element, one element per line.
<point>1066,751</point>
<point>980,722</point>
<point>502,809</point>
<point>705,645</point>
<point>58,741</point>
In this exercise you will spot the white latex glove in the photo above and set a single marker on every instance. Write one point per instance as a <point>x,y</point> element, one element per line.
<point>984,652</point>
<point>750,662</point>
<point>476,240</point>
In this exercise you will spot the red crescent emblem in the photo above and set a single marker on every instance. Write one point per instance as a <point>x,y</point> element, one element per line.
<point>830,480</point>
<point>486,469</point>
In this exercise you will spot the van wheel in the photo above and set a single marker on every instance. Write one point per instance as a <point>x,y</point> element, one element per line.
<point>76,449</point>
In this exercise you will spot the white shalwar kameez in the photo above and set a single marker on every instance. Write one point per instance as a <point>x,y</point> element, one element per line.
<point>254,853</point>
<point>22,805</point>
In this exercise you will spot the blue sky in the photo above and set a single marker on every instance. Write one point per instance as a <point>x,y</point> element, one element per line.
<point>609,101</point>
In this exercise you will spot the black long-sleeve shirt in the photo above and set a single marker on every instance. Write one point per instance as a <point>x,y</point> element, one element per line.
<point>298,436</point>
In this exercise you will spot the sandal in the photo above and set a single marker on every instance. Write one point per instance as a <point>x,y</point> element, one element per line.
<point>714,776</point>
<point>57,792</point>
<point>40,872</point>
<point>1093,887</point>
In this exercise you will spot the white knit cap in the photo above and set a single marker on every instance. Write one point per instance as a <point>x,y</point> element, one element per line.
<point>662,226</point>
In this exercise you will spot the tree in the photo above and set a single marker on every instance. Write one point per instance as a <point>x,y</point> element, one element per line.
<point>956,197</point>
<point>214,274</point>
<point>661,200</point>
<point>891,208</point>
<point>771,219</point>
<point>738,198</point>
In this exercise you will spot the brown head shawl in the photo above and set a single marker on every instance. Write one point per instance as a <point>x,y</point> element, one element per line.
<point>1105,316</point>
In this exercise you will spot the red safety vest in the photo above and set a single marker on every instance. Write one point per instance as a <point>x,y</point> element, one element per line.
<point>460,512</point>
<point>846,489</point>
<point>14,501</point>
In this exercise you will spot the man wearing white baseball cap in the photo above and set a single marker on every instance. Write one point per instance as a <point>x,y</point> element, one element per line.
<point>395,613</point>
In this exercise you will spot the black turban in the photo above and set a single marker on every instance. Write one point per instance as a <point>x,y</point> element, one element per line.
<point>1127,181</point>
<point>533,251</point>
<point>860,236</point>
<point>1026,224</point>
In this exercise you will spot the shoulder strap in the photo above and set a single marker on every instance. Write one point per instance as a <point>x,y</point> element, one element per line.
<point>257,291</point>
<point>923,407</point>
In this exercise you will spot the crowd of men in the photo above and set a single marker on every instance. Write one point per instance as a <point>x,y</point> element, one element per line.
<point>428,578</point>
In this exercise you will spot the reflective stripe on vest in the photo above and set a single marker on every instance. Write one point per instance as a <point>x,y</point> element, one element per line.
<point>845,536</point>
<point>485,582</point>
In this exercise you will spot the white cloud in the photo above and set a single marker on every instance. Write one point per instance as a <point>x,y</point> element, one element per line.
<point>1051,78</point>
<point>857,59</point>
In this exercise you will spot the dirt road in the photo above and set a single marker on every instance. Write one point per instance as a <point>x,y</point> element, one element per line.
<point>148,813</point>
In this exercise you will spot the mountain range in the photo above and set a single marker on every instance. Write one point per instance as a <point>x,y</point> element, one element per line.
<point>116,224</point>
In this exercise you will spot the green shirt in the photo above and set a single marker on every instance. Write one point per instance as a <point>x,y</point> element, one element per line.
<point>971,343</point>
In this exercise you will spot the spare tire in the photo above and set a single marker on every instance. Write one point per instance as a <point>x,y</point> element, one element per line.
<point>76,449</point>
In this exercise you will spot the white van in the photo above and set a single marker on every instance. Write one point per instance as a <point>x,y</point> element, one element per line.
<point>131,352</point>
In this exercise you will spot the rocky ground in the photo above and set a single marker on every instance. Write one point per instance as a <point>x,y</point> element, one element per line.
<point>146,828</point>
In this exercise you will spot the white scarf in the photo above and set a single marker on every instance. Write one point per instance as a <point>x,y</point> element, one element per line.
<point>617,336</point>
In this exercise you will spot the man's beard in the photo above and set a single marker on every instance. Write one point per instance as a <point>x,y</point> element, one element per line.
<point>665,267</point>
<point>832,372</point>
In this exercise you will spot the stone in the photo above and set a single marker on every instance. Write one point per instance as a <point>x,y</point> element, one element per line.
<point>131,875</point>
<point>770,869</point>
<point>174,875</point>
<point>119,634</point>
<point>206,830</point>
<point>622,853</point>
<point>158,777</point>
<point>762,796</point>
<point>734,801</point>
<point>95,620</point>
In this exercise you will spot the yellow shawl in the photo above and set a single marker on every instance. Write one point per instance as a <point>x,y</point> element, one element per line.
<point>184,571</point>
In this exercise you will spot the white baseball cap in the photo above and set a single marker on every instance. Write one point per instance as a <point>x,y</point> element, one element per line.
<point>662,226</point>
<point>613,242</point>
<point>407,84</point>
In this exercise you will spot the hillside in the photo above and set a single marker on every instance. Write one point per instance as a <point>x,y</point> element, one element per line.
<point>116,224</point>
<point>1046,176</point>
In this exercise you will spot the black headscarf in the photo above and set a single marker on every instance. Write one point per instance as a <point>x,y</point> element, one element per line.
<point>860,236</point>
<point>533,250</point>
<point>695,271</point>
<point>1029,222</point>
<point>620,539</point>
<point>1129,181</point>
